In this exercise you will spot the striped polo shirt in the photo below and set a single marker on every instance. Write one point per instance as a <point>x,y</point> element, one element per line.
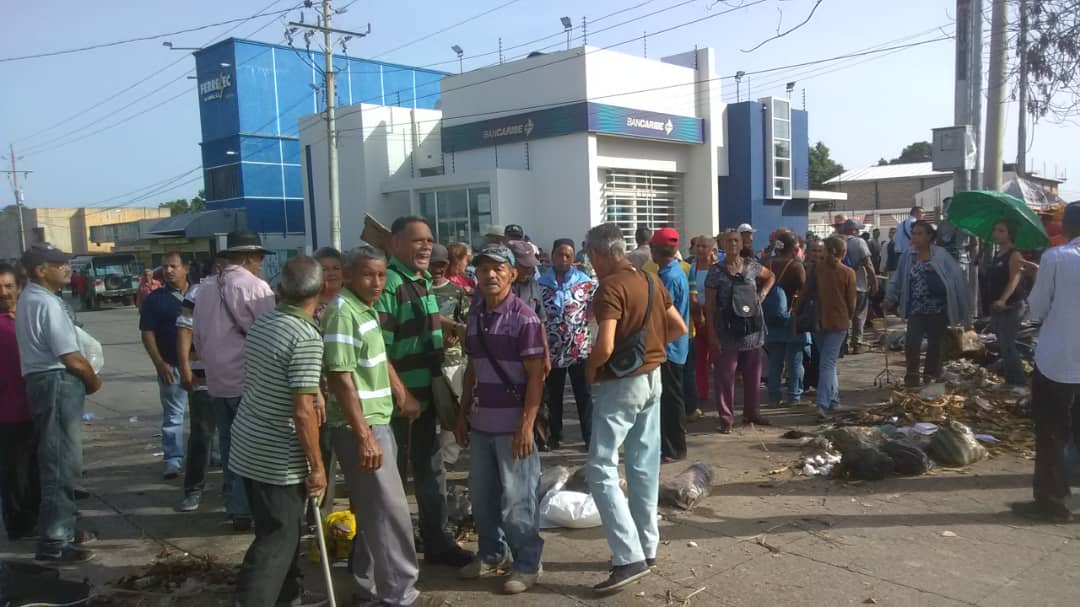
<point>283,356</point>
<point>353,343</point>
<point>514,334</point>
<point>409,315</point>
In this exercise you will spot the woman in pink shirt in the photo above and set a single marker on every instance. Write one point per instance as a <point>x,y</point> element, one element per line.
<point>147,285</point>
<point>459,260</point>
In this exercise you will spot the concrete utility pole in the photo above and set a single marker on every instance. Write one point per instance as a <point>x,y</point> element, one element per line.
<point>14,172</point>
<point>976,87</point>
<point>331,120</point>
<point>331,129</point>
<point>1021,126</point>
<point>962,92</point>
<point>995,98</point>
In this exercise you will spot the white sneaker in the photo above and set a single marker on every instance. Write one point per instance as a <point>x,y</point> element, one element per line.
<point>478,569</point>
<point>520,582</point>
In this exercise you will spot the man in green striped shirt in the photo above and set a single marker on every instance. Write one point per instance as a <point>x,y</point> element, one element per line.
<point>383,562</point>
<point>412,329</point>
<point>275,437</point>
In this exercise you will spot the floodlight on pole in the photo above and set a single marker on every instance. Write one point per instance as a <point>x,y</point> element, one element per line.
<point>789,87</point>
<point>568,25</point>
<point>169,45</point>
<point>457,50</point>
<point>738,85</point>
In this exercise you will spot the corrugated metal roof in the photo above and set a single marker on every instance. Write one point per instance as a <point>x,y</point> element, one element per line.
<point>890,171</point>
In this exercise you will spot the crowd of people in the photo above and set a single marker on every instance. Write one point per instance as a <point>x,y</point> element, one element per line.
<point>388,359</point>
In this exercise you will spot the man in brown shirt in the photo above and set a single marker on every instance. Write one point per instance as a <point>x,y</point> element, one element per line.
<point>626,402</point>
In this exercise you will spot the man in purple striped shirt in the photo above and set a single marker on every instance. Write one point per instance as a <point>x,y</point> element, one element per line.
<point>504,383</point>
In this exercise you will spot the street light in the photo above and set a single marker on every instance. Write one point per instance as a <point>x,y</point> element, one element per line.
<point>789,87</point>
<point>738,85</point>
<point>169,45</point>
<point>460,53</point>
<point>568,25</point>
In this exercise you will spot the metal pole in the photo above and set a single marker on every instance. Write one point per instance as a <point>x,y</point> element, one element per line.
<point>331,128</point>
<point>18,201</point>
<point>976,87</point>
<point>1021,127</point>
<point>995,97</point>
<point>962,91</point>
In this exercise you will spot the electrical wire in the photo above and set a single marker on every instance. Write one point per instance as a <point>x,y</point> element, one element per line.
<point>447,28</point>
<point>138,39</point>
<point>82,113</point>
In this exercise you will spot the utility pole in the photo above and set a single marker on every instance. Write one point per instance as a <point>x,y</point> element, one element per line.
<point>962,92</point>
<point>995,98</point>
<point>14,172</point>
<point>331,120</point>
<point>1021,127</point>
<point>976,88</point>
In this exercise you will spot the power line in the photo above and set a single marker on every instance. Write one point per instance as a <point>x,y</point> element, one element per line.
<point>82,113</point>
<point>139,39</point>
<point>447,28</point>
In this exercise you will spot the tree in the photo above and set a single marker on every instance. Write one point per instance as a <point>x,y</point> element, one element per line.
<point>920,151</point>
<point>882,162</point>
<point>1053,58</point>
<point>822,167</point>
<point>183,205</point>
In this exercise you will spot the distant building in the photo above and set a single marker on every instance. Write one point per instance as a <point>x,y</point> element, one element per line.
<point>66,228</point>
<point>892,186</point>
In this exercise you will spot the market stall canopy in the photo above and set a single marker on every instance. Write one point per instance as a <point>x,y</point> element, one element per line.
<point>1030,192</point>
<point>204,224</point>
<point>978,211</point>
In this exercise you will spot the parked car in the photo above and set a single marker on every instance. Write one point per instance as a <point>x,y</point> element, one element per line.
<point>109,278</point>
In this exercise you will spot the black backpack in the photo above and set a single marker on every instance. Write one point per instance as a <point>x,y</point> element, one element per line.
<point>742,315</point>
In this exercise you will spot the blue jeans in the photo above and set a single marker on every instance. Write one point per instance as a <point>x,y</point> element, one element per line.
<point>626,413</point>
<point>56,402</point>
<point>788,353</point>
<point>173,401</point>
<point>236,499</point>
<point>828,388</point>
<point>504,500</point>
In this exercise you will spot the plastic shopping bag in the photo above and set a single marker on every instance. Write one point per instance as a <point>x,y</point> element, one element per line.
<point>568,509</point>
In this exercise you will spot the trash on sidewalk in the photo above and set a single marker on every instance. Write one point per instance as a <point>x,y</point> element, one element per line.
<point>88,417</point>
<point>820,465</point>
<point>867,464</point>
<point>948,534</point>
<point>853,438</point>
<point>908,459</point>
<point>569,509</point>
<point>30,584</point>
<point>955,445</point>
<point>552,479</point>
<point>134,419</point>
<point>339,529</point>
<point>170,572</point>
<point>987,438</point>
<point>688,488</point>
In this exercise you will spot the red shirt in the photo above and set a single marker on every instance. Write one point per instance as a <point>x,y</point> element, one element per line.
<point>13,407</point>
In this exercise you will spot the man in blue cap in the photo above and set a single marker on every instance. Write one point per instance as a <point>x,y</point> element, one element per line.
<point>1055,385</point>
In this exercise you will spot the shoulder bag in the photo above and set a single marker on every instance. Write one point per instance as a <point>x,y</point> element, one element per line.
<point>541,423</point>
<point>629,356</point>
<point>807,319</point>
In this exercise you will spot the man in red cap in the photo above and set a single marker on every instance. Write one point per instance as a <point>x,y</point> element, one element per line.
<point>662,246</point>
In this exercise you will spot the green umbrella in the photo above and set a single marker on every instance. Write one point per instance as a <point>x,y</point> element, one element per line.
<point>978,211</point>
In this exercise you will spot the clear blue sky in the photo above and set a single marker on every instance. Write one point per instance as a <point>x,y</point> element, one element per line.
<point>862,109</point>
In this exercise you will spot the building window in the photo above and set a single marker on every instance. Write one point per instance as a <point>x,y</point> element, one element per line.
<point>223,182</point>
<point>637,198</point>
<point>457,215</point>
<point>778,167</point>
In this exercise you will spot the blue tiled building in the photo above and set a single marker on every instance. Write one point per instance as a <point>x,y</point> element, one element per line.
<point>250,97</point>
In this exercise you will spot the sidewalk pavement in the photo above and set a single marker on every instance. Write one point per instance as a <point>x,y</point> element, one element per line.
<point>945,538</point>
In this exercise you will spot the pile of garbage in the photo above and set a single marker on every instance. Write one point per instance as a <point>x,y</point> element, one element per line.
<point>182,573</point>
<point>971,395</point>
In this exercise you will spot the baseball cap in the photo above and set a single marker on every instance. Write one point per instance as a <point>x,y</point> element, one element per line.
<point>41,253</point>
<point>524,254</point>
<point>495,230</point>
<point>514,231</point>
<point>851,224</point>
<point>665,236</point>
<point>439,254</point>
<point>1072,214</point>
<point>745,228</point>
<point>495,252</point>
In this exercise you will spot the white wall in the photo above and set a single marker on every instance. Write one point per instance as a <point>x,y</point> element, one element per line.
<point>701,212</point>
<point>613,76</point>
<point>498,90</point>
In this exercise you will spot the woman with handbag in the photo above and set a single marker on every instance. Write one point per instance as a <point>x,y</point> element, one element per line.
<point>736,329</point>
<point>827,305</point>
<point>785,343</point>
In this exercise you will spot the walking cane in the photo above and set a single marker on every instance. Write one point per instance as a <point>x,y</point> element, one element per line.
<point>323,552</point>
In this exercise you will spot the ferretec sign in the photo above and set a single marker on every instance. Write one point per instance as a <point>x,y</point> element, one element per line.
<point>215,87</point>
